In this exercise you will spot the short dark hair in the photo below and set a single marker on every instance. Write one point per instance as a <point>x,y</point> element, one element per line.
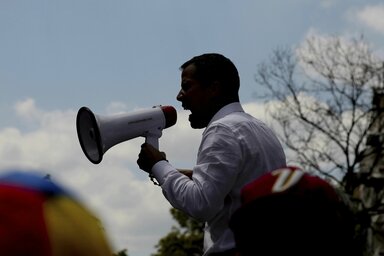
<point>211,67</point>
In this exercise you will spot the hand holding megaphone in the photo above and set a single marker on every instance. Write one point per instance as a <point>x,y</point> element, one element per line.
<point>98,133</point>
<point>149,156</point>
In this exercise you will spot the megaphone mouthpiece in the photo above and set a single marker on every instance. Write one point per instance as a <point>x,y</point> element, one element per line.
<point>170,115</point>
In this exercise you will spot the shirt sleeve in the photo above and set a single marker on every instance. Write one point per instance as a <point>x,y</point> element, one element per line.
<point>213,176</point>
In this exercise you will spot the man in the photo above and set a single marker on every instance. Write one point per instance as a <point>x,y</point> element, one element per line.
<point>289,212</point>
<point>235,149</point>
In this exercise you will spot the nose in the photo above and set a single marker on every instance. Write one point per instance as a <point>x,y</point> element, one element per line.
<point>180,95</point>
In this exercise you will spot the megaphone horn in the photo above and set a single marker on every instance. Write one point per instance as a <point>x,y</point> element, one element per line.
<point>98,133</point>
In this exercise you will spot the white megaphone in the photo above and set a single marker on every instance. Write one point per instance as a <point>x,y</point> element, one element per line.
<point>99,133</point>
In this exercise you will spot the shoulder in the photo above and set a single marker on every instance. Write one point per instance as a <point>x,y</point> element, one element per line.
<point>237,120</point>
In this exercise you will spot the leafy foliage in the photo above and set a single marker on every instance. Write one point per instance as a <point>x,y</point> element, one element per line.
<point>121,253</point>
<point>184,240</point>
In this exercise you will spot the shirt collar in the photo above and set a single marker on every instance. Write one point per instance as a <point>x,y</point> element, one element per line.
<point>226,110</point>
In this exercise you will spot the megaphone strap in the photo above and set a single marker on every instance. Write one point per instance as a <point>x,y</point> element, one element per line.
<point>152,178</point>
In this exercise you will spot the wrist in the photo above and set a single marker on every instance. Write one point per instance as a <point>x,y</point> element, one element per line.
<point>161,169</point>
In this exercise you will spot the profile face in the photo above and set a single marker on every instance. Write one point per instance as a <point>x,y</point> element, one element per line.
<point>195,97</point>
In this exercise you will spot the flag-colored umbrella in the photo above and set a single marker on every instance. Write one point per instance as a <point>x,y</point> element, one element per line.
<point>40,217</point>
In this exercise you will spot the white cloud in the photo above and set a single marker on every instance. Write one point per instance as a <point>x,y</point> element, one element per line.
<point>27,109</point>
<point>372,16</point>
<point>116,107</point>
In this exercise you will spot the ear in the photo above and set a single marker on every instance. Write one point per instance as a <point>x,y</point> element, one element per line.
<point>215,89</point>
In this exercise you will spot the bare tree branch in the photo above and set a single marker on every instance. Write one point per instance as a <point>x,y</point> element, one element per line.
<point>322,108</point>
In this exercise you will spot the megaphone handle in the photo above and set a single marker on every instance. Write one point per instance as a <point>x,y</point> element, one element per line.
<point>153,140</point>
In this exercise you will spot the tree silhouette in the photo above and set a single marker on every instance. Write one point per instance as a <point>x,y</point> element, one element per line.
<point>186,239</point>
<point>121,253</point>
<point>322,100</point>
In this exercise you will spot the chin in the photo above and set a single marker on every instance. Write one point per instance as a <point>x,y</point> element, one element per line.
<point>197,122</point>
<point>197,126</point>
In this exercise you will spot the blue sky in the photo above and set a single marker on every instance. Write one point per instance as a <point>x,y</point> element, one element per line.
<point>56,56</point>
<point>69,53</point>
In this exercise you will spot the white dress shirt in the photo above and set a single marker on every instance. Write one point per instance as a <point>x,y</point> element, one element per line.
<point>236,148</point>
